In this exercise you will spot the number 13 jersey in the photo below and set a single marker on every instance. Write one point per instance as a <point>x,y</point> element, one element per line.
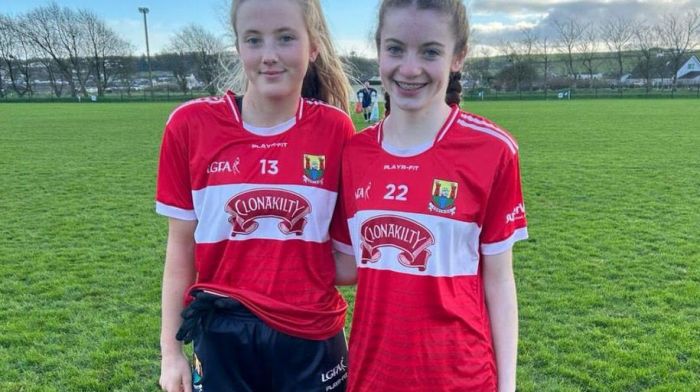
<point>264,204</point>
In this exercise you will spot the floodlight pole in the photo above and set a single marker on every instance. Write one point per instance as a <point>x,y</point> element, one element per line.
<point>144,11</point>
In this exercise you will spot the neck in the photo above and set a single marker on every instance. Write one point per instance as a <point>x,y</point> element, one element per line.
<point>265,112</point>
<point>406,129</point>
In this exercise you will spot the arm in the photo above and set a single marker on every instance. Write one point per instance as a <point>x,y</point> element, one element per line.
<point>345,269</point>
<point>502,303</point>
<point>178,275</point>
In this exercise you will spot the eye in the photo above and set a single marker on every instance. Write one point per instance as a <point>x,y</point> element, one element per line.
<point>431,53</point>
<point>394,50</point>
<point>287,38</point>
<point>252,41</point>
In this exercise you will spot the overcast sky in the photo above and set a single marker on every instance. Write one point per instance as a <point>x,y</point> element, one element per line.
<point>352,21</point>
<point>497,20</point>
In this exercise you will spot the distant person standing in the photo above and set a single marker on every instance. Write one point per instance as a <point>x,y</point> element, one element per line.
<point>367,95</point>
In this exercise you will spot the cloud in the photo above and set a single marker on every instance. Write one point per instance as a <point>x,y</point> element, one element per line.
<point>513,15</point>
<point>500,28</point>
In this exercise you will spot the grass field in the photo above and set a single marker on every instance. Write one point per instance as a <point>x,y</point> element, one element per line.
<point>609,283</point>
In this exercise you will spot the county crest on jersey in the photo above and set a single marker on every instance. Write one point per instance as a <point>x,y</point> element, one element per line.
<point>443,196</point>
<point>314,167</point>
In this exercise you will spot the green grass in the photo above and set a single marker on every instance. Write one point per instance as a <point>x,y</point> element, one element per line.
<point>608,284</point>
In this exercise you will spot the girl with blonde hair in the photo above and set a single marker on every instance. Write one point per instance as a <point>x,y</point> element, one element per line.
<point>249,184</point>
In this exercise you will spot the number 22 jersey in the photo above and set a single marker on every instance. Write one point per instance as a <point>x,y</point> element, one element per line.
<point>420,223</point>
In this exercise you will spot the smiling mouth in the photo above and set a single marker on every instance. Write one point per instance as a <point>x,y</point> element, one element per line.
<point>410,86</point>
<point>271,73</point>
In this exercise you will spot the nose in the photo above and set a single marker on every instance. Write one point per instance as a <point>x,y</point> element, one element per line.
<point>410,67</point>
<point>269,54</point>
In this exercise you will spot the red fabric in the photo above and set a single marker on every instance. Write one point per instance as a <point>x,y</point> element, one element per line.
<point>264,206</point>
<point>420,321</point>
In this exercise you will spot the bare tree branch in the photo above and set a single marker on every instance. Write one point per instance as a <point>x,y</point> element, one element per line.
<point>15,53</point>
<point>569,33</point>
<point>617,33</point>
<point>205,46</point>
<point>646,41</point>
<point>679,35</point>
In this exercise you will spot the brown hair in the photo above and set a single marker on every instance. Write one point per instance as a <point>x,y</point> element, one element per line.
<point>460,30</point>
<point>325,78</point>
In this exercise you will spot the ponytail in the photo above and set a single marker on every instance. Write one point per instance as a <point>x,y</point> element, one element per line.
<point>311,87</point>
<point>454,89</point>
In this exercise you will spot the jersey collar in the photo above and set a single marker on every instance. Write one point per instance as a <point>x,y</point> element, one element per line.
<point>230,99</point>
<point>438,137</point>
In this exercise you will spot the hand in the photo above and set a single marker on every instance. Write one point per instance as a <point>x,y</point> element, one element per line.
<point>175,373</point>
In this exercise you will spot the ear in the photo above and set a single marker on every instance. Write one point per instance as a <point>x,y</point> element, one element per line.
<point>313,52</point>
<point>458,61</point>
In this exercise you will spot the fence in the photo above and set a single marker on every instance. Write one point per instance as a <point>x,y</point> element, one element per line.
<point>469,95</point>
<point>583,93</point>
<point>134,96</point>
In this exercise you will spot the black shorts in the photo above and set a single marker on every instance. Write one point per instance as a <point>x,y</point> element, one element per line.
<point>238,352</point>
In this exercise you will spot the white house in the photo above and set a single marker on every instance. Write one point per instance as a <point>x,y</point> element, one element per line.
<point>687,75</point>
<point>690,70</point>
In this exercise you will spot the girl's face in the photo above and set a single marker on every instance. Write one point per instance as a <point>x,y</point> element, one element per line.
<point>274,47</point>
<point>416,56</point>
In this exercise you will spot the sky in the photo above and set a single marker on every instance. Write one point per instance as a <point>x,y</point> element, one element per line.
<point>352,21</point>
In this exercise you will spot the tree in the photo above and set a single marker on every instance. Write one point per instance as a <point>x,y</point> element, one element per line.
<point>569,33</point>
<point>515,73</point>
<point>361,68</point>
<point>180,64</point>
<point>587,51</point>
<point>3,41</point>
<point>519,54</point>
<point>40,27</point>
<point>124,68</point>
<point>103,44</point>
<point>542,47</point>
<point>15,52</point>
<point>617,33</point>
<point>646,41</point>
<point>72,37</point>
<point>206,48</point>
<point>479,67</point>
<point>679,34</point>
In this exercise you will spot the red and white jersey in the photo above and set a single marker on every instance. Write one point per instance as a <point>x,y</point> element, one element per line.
<point>263,205</point>
<point>419,226</point>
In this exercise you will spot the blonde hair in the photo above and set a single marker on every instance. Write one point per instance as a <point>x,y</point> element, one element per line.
<point>325,78</point>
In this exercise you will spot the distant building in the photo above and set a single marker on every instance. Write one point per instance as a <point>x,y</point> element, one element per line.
<point>690,70</point>
<point>662,73</point>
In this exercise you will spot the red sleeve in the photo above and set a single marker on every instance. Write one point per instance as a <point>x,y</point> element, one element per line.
<point>504,220</point>
<point>173,190</point>
<point>339,231</point>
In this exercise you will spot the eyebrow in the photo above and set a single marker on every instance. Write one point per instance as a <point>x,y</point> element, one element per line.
<point>280,30</point>
<point>396,41</point>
